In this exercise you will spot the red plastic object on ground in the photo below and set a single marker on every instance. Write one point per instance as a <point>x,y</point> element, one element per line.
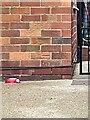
<point>12,80</point>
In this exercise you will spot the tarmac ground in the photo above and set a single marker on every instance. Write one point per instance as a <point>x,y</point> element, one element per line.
<point>46,99</point>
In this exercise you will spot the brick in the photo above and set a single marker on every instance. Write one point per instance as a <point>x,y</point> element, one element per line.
<point>4,11</point>
<point>1,74</point>
<point>40,40</point>
<point>10,3</point>
<point>10,18</point>
<point>66,33</point>
<point>30,48</point>
<point>45,17</point>
<point>10,48</point>
<point>26,71</point>
<point>10,63</point>
<point>62,71</point>
<point>40,55</point>
<point>66,76</point>
<point>19,41</point>
<point>42,71</point>
<point>0,3</point>
<point>50,48</point>
<point>59,17</point>
<point>15,72</point>
<point>84,51</point>
<point>56,55</point>
<point>6,72</point>
<point>40,77</point>
<point>19,25</point>
<point>51,33</point>
<point>59,40</point>
<point>5,41</point>
<point>66,55</point>
<point>30,3</point>
<point>61,10</point>
<point>30,18</point>
<point>60,25</point>
<point>49,17</point>
<point>30,63</point>
<point>0,56</point>
<point>40,10</point>
<point>50,63</point>
<point>24,33</point>
<point>4,25</point>
<point>85,54</point>
<point>51,3</point>
<point>66,4</point>
<point>66,48</point>
<point>40,25</point>
<point>25,77</point>
<point>66,62</point>
<point>0,25</point>
<point>5,55</point>
<point>10,33</point>
<point>56,40</point>
<point>19,56</point>
<point>66,18</point>
<point>20,11</point>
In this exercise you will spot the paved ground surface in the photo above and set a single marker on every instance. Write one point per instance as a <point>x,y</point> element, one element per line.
<point>45,99</point>
<point>77,76</point>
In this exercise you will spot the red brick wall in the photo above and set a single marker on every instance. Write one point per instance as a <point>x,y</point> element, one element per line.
<point>38,34</point>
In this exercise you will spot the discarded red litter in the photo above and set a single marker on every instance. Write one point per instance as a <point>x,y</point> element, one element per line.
<point>12,80</point>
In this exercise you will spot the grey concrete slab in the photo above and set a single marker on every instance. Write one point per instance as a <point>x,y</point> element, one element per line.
<point>0,100</point>
<point>80,82</point>
<point>84,69</point>
<point>45,99</point>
